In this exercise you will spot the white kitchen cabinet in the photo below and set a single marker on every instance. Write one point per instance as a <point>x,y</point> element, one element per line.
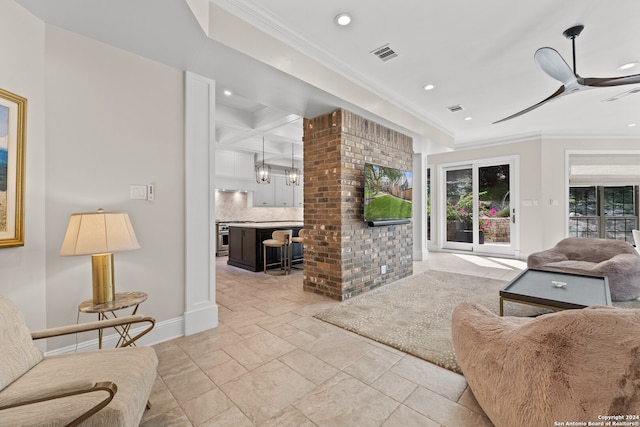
<point>244,166</point>
<point>263,195</point>
<point>225,161</point>
<point>234,164</point>
<point>283,192</point>
<point>277,194</point>
<point>298,196</point>
<point>234,170</point>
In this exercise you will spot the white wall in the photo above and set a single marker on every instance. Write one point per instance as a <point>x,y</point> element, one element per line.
<point>554,175</point>
<point>22,269</point>
<point>113,119</point>
<point>530,187</point>
<point>543,192</point>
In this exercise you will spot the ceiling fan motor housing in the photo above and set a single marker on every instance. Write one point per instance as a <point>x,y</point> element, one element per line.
<point>573,32</point>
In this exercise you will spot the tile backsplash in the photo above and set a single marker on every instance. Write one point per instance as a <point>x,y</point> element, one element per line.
<point>232,206</point>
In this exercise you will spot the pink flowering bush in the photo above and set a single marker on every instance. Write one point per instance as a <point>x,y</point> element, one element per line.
<point>463,211</point>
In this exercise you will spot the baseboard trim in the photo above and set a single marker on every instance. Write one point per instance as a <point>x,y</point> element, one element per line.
<point>200,319</point>
<point>162,331</point>
<point>420,255</point>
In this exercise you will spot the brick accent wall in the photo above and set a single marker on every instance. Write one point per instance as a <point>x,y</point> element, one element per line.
<point>343,256</point>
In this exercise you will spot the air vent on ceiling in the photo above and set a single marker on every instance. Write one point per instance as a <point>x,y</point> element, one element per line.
<point>622,95</point>
<point>385,53</point>
<point>455,108</point>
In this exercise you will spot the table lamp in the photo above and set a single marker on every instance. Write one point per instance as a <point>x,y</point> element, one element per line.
<point>99,234</point>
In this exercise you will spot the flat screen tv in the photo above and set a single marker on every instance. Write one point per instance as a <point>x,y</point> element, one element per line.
<point>387,195</point>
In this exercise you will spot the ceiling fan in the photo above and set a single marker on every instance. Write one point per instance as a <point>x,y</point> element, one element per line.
<point>555,66</point>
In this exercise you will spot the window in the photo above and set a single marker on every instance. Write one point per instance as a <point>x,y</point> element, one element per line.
<point>608,212</point>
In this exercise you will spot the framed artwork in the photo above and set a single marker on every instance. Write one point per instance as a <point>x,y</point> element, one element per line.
<point>13,125</point>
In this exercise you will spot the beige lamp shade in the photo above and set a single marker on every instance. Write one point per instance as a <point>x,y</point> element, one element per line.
<point>97,233</point>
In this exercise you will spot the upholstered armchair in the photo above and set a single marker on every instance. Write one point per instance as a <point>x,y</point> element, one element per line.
<point>108,387</point>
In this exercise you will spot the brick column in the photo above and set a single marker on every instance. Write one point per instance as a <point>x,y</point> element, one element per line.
<point>343,255</point>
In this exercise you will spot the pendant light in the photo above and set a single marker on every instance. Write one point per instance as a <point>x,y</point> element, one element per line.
<point>292,177</point>
<point>263,173</point>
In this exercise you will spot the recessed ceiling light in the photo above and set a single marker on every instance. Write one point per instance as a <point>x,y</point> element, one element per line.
<point>468,118</point>
<point>632,125</point>
<point>342,19</point>
<point>628,65</point>
<point>227,93</point>
<point>429,86</point>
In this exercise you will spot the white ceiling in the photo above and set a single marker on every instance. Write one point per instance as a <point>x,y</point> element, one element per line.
<point>285,59</point>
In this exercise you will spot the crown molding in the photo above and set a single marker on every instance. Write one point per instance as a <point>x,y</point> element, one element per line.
<point>259,17</point>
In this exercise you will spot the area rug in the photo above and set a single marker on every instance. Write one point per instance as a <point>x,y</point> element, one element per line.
<point>414,314</point>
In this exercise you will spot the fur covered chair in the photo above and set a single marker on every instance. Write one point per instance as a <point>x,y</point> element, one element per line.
<point>571,365</point>
<point>615,259</point>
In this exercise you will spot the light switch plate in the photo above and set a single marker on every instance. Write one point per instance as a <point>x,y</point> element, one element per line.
<point>138,192</point>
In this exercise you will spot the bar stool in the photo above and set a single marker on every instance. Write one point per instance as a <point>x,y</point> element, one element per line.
<point>299,239</point>
<point>279,239</point>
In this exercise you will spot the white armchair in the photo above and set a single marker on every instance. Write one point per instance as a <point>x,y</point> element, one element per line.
<point>91,388</point>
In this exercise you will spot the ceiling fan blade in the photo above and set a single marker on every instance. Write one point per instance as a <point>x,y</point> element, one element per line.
<point>556,94</point>
<point>609,81</point>
<point>554,65</point>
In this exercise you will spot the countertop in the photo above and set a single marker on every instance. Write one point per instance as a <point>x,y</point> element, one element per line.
<point>275,224</point>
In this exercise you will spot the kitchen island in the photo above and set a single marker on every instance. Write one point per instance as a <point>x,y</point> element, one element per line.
<point>245,243</point>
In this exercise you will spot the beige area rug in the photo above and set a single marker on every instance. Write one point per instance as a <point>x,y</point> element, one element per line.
<point>414,314</point>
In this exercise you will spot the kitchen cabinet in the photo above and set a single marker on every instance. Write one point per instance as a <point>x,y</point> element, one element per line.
<point>278,194</point>
<point>234,164</point>
<point>242,252</point>
<point>245,244</point>
<point>225,163</point>
<point>298,196</point>
<point>234,170</point>
<point>263,196</point>
<point>244,166</point>
<point>283,193</point>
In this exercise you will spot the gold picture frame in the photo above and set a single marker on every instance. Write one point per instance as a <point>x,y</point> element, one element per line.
<point>13,128</point>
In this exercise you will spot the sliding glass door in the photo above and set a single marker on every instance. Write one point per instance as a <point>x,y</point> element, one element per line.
<point>459,208</point>
<point>478,213</point>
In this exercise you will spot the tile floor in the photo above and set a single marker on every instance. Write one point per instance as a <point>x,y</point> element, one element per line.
<point>270,363</point>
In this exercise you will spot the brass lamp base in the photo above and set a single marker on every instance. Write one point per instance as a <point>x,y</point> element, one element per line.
<point>103,286</point>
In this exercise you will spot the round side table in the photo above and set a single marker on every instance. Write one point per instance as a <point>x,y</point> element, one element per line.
<point>121,301</point>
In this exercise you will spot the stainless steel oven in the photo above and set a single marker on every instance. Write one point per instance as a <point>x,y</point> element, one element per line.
<point>223,239</point>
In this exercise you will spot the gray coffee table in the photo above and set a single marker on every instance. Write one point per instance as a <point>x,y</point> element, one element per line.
<point>557,291</point>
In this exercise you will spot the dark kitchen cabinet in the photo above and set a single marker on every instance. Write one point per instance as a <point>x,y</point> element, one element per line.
<point>242,247</point>
<point>245,246</point>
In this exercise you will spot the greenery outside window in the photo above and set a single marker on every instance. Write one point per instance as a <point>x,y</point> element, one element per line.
<point>607,212</point>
